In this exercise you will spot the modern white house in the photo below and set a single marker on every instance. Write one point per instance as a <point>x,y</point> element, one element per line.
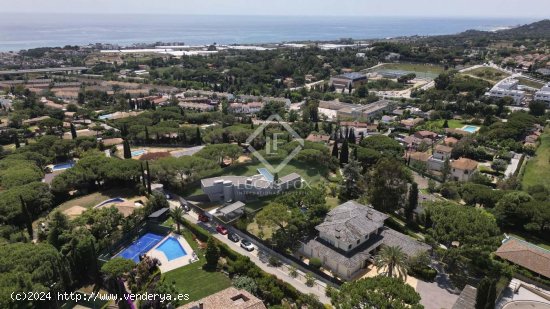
<point>543,94</point>
<point>351,235</point>
<point>440,154</point>
<point>507,88</point>
<point>239,188</point>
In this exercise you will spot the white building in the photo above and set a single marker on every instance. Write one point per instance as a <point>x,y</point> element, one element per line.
<point>238,188</point>
<point>543,94</point>
<point>507,88</point>
<point>463,169</point>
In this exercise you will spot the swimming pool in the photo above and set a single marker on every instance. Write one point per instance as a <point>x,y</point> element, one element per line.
<point>103,117</point>
<point>113,200</point>
<point>136,153</point>
<point>471,129</point>
<point>140,247</point>
<point>63,166</point>
<point>267,175</point>
<point>172,248</point>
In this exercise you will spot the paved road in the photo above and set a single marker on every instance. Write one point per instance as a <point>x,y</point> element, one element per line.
<point>280,272</point>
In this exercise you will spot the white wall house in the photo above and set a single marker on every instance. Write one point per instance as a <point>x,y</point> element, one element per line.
<point>463,169</point>
<point>507,88</point>
<point>543,94</point>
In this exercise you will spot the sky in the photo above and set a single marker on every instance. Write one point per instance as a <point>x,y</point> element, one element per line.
<point>413,8</point>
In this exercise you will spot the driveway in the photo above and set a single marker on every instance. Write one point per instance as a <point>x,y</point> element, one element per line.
<point>438,294</point>
<point>281,272</point>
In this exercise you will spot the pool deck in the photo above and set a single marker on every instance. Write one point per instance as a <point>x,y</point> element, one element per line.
<point>176,263</point>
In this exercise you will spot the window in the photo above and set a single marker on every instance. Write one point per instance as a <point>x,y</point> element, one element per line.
<point>349,247</point>
<point>358,241</point>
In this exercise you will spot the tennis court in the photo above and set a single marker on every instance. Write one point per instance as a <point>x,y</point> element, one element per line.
<point>140,246</point>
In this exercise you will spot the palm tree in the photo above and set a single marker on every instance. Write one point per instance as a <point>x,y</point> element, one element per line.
<point>177,216</point>
<point>392,261</point>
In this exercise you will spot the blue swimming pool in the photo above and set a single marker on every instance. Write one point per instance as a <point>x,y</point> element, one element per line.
<point>63,166</point>
<point>471,129</point>
<point>267,175</point>
<point>140,246</point>
<point>136,153</point>
<point>172,248</point>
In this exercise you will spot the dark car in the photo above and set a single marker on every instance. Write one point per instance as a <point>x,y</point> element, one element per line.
<point>203,218</point>
<point>247,245</point>
<point>221,229</point>
<point>233,237</point>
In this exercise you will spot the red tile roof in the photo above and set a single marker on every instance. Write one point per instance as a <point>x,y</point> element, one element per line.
<point>525,254</point>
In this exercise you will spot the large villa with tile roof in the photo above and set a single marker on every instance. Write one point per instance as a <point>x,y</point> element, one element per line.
<point>350,236</point>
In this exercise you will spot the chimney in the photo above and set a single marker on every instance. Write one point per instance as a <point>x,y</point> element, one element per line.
<point>201,305</point>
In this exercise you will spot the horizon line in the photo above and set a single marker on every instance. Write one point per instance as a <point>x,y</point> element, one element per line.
<point>278,15</point>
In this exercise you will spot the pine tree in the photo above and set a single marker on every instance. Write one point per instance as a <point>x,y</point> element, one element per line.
<point>212,254</point>
<point>73,131</point>
<point>344,153</point>
<point>148,178</point>
<point>126,148</point>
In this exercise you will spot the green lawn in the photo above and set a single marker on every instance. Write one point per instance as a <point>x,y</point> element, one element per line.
<point>414,67</point>
<point>529,83</point>
<point>195,281</point>
<point>437,125</point>
<point>310,173</point>
<point>489,74</point>
<point>90,200</point>
<point>538,167</point>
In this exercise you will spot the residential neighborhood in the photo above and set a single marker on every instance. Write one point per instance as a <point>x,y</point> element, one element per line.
<point>404,170</point>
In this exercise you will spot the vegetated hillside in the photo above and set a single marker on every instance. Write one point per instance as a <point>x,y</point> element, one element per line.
<point>539,29</point>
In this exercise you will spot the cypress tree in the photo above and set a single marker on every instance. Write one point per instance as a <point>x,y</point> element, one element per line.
<point>142,175</point>
<point>127,152</point>
<point>27,216</point>
<point>482,293</point>
<point>146,134</point>
<point>492,295</point>
<point>16,140</point>
<point>344,153</point>
<point>446,124</point>
<point>351,136</point>
<point>413,202</point>
<point>355,153</point>
<point>73,131</point>
<point>148,178</point>
<point>335,149</point>
<point>212,254</point>
<point>198,136</point>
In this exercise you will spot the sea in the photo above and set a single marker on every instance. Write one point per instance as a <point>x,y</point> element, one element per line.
<point>24,31</point>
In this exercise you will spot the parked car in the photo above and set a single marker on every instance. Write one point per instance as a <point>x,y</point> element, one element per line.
<point>247,245</point>
<point>203,218</point>
<point>221,229</point>
<point>233,237</point>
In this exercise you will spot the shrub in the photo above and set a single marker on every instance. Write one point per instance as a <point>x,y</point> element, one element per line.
<point>310,280</point>
<point>293,271</point>
<point>273,261</point>
<point>315,263</point>
<point>425,273</point>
